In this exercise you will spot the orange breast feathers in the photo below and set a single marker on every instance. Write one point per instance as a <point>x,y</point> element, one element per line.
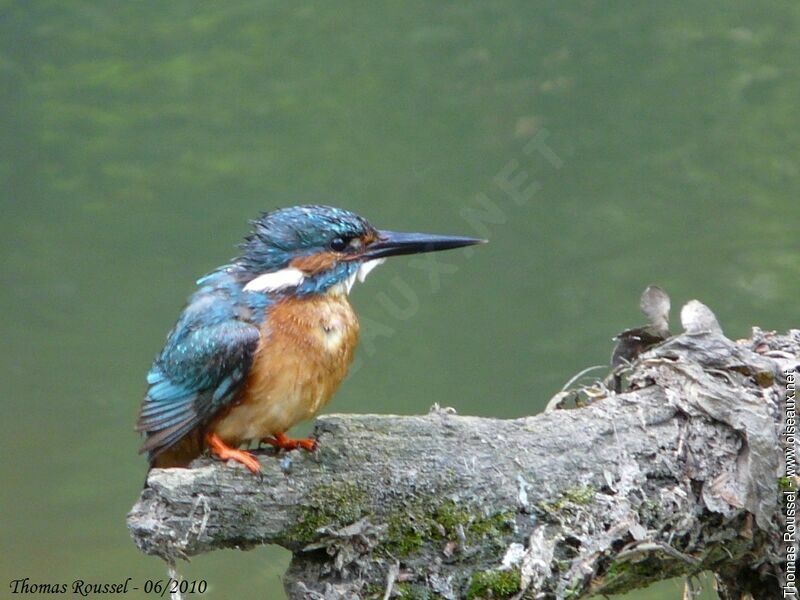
<point>307,345</point>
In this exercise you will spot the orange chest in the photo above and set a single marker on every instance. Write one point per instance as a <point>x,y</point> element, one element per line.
<point>306,348</point>
<point>319,331</point>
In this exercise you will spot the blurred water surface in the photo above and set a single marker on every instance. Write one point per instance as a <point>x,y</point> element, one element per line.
<point>601,147</point>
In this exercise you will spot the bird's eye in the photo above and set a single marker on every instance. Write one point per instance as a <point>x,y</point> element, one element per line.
<point>338,244</point>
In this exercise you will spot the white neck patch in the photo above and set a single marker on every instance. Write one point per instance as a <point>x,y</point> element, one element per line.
<point>366,268</point>
<point>291,277</point>
<point>277,280</point>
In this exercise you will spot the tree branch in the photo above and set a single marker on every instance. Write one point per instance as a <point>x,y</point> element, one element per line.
<point>678,475</point>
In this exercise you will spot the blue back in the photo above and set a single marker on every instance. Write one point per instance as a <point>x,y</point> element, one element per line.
<point>205,360</point>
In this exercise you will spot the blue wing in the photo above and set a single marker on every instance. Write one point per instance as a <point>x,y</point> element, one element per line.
<point>200,370</point>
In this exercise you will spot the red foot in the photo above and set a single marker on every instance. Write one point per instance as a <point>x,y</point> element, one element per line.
<point>282,442</point>
<point>224,452</point>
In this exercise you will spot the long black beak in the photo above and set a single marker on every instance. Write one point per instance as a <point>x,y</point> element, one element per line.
<point>395,243</point>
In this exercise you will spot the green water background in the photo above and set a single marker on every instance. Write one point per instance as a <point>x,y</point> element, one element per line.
<point>602,146</point>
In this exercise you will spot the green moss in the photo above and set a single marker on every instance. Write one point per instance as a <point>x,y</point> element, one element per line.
<point>449,516</point>
<point>403,591</point>
<point>338,505</point>
<point>620,575</point>
<point>575,589</point>
<point>494,584</point>
<point>577,496</point>
<point>408,591</point>
<point>247,512</point>
<point>580,495</point>
<point>497,525</point>
<point>404,536</point>
<point>731,550</point>
<point>623,576</point>
<point>372,591</point>
<point>786,484</point>
<point>333,506</point>
<point>409,529</point>
<point>652,506</point>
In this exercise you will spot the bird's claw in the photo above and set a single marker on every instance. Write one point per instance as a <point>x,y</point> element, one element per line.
<point>224,452</point>
<point>281,442</point>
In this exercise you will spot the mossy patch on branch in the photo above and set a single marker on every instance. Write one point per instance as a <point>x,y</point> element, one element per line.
<point>410,529</point>
<point>334,506</point>
<point>623,576</point>
<point>408,591</point>
<point>494,584</point>
<point>577,496</point>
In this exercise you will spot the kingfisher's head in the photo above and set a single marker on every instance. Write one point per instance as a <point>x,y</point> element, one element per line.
<point>314,249</point>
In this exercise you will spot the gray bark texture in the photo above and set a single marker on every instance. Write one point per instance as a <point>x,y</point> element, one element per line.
<point>679,474</point>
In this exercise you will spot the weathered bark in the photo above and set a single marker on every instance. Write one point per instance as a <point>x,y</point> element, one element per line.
<point>678,475</point>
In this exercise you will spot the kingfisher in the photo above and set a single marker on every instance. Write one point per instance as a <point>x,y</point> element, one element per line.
<point>265,341</point>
